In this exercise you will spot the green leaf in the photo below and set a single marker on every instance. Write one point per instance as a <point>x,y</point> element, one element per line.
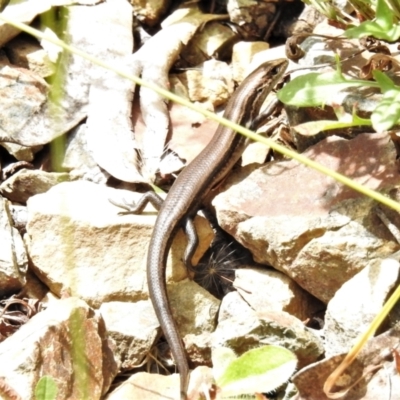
<point>314,89</point>
<point>382,28</point>
<point>369,28</point>
<point>384,82</point>
<point>46,388</point>
<point>387,113</point>
<point>221,358</point>
<point>260,370</point>
<point>314,127</point>
<point>384,15</point>
<point>157,189</point>
<point>345,120</point>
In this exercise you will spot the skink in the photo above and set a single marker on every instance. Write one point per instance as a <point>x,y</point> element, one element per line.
<point>188,191</point>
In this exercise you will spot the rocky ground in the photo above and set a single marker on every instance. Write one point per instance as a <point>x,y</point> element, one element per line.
<point>293,258</point>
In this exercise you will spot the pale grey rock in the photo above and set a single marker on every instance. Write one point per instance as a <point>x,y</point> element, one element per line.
<point>147,387</point>
<point>233,305</point>
<point>26,52</point>
<point>198,348</point>
<point>78,159</point>
<point>245,331</point>
<point>18,111</point>
<point>89,30</point>
<point>21,153</point>
<point>195,308</point>
<point>134,328</point>
<point>150,12</point>
<point>211,85</point>
<point>100,255</point>
<point>13,257</point>
<point>252,17</point>
<point>266,289</point>
<point>68,342</point>
<point>317,231</point>
<point>195,311</point>
<point>26,12</point>
<point>356,304</point>
<point>19,216</point>
<point>27,182</point>
<point>34,287</point>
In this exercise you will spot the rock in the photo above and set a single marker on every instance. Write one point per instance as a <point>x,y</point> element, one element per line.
<point>19,216</point>
<point>243,54</point>
<point>13,257</point>
<point>209,44</point>
<point>198,348</point>
<point>67,342</point>
<point>26,52</point>
<point>134,328</point>
<point>232,305</point>
<point>21,153</point>
<point>150,12</point>
<point>75,227</point>
<point>26,183</point>
<point>38,121</point>
<point>317,231</point>
<point>34,288</point>
<point>252,18</point>
<point>247,329</point>
<point>17,111</point>
<point>266,289</point>
<point>196,309</point>
<point>211,86</point>
<point>349,315</point>
<point>374,362</point>
<point>146,386</point>
<point>22,12</point>
<point>79,160</point>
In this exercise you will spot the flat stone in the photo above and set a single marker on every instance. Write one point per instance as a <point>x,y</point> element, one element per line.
<point>349,315</point>
<point>68,342</point>
<point>267,289</point>
<point>247,330</point>
<point>75,227</point>
<point>317,231</point>
<point>134,328</point>
<point>13,256</point>
<point>26,183</point>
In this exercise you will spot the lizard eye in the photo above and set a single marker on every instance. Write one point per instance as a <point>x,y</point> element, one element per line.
<point>275,70</point>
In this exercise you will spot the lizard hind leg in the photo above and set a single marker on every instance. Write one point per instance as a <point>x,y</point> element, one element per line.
<point>193,241</point>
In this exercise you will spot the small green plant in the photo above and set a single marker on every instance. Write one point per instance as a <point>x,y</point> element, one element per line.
<point>385,25</point>
<point>46,388</point>
<point>381,17</point>
<point>314,89</point>
<point>256,371</point>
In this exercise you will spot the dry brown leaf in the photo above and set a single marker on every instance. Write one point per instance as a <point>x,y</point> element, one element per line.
<point>373,364</point>
<point>191,132</point>
<point>7,392</point>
